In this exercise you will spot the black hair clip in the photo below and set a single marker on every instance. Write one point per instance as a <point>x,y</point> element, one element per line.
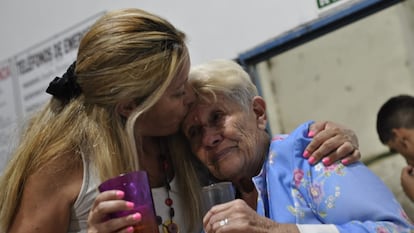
<point>66,87</point>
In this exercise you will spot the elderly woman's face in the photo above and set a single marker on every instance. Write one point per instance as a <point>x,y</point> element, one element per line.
<point>223,136</point>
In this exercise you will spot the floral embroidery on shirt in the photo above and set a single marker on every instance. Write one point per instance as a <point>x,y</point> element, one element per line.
<point>316,192</point>
<point>297,176</point>
<point>389,228</point>
<point>337,168</point>
<point>330,201</point>
<point>381,229</point>
<point>298,202</point>
<point>322,199</point>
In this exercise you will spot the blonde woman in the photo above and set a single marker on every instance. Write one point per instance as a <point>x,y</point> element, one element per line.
<point>131,65</point>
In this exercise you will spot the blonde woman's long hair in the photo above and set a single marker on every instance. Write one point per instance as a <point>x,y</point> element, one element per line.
<point>126,54</point>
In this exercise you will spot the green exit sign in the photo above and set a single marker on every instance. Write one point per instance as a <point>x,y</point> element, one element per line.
<point>324,3</point>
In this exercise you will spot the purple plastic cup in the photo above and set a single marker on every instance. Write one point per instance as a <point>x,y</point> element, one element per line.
<point>136,187</point>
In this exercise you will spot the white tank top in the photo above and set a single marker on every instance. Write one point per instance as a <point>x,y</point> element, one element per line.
<point>86,197</point>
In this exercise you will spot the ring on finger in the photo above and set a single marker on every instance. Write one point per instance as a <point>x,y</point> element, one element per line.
<point>223,222</point>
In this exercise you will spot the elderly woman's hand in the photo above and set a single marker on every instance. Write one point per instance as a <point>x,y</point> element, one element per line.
<point>332,142</point>
<point>237,216</point>
<point>109,202</point>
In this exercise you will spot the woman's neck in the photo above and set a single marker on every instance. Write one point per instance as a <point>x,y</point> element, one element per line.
<point>150,161</point>
<point>247,191</point>
<point>245,184</point>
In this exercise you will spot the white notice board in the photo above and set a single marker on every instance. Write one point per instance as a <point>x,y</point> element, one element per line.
<point>25,77</point>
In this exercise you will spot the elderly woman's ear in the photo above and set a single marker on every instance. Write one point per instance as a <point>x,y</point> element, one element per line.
<point>259,108</point>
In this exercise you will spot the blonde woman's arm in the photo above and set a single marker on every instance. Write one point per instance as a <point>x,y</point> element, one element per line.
<point>48,196</point>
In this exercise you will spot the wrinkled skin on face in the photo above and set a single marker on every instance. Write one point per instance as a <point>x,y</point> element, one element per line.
<point>229,139</point>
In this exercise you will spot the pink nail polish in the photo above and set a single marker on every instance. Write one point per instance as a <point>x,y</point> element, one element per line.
<point>345,161</point>
<point>119,194</point>
<point>136,216</point>
<point>130,205</point>
<point>306,154</point>
<point>326,161</point>
<point>130,229</point>
<point>311,160</point>
<point>311,134</point>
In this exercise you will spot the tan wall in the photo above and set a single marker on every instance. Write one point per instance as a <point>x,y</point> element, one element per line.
<point>345,77</point>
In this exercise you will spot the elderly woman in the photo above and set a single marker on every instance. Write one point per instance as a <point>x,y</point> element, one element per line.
<point>227,131</point>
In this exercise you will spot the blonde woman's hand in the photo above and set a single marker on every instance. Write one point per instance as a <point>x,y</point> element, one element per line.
<point>109,202</point>
<point>332,142</point>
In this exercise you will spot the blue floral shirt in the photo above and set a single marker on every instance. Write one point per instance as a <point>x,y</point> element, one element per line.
<point>350,197</point>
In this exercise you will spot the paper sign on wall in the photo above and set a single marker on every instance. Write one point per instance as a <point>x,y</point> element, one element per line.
<point>25,77</point>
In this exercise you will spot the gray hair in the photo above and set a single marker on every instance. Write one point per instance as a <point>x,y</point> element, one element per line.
<point>222,77</point>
